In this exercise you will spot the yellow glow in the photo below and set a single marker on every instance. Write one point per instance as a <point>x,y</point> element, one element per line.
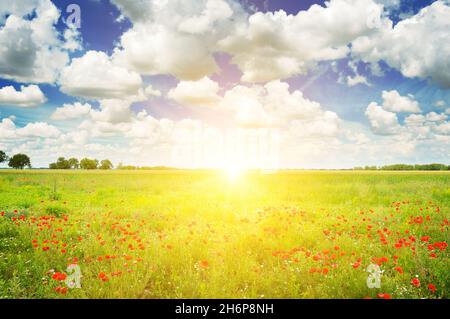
<point>233,171</point>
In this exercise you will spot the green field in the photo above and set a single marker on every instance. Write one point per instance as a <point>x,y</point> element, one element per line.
<point>197,234</point>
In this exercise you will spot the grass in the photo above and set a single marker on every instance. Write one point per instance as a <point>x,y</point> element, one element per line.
<point>196,234</point>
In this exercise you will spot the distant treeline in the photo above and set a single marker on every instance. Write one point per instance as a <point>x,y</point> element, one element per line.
<point>406,167</point>
<point>85,163</point>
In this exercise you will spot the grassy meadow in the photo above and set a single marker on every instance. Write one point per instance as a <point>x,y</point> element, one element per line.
<point>199,234</point>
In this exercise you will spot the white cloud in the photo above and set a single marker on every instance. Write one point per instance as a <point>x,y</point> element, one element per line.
<point>415,120</point>
<point>38,129</point>
<point>435,117</point>
<point>72,39</point>
<point>28,96</point>
<point>113,112</point>
<point>7,129</point>
<point>30,47</point>
<point>71,111</point>
<point>327,124</point>
<point>444,128</point>
<point>440,103</point>
<point>275,45</point>
<point>196,93</point>
<point>149,91</point>
<point>175,37</point>
<point>272,105</point>
<point>417,46</point>
<point>95,76</point>
<point>382,122</point>
<point>430,119</point>
<point>394,102</point>
<point>357,79</point>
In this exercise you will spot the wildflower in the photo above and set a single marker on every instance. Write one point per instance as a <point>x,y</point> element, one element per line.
<point>384,296</point>
<point>425,238</point>
<point>103,276</point>
<point>356,264</point>
<point>432,288</point>
<point>59,276</point>
<point>204,264</point>
<point>399,269</point>
<point>415,282</point>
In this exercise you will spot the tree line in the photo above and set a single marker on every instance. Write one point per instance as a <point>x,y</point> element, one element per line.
<point>20,161</point>
<point>406,167</point>
<point>17,161</point>
<point>85,163</point>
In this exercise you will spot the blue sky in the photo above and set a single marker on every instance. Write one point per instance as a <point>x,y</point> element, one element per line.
<point>322,85</point>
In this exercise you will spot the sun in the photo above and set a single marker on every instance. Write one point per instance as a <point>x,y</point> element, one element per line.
<point>233,171</point>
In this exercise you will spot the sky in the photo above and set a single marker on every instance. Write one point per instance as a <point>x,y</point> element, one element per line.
<point>224,83</point>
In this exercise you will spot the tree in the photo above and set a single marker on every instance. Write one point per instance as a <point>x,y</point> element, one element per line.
<point>73,163</point>
<point>52,166</point>
<point>87,163</point>
<point>19,161</point>
<point>106,164</point>
<point>3,157</point>
<point>62,163</point>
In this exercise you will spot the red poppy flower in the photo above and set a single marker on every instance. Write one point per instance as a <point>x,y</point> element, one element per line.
<point>399,269</point>
<point>204,264</point>
<point>384,296</point>
<point>432,288</point>
<point>425,238</point>
<point>356,264</point>
<point>59,276</point>
<point>415,282</point>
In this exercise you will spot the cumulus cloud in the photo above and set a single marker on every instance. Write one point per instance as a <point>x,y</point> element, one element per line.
<point>382,122</point>
<point>175,37</point>
<point>149,91</point>
<point>31,49</point>
<point>357,79</point>
<point>113,112</point>
<point>71,111</point>
<point>274,105</point>
<point>440,103</point>
<point>275,45</point>
<point>27,96</point>
<point>196,93</point>
<point>95,76</point>
<point>38,129</point>
<point>394,102</point>
<point>443,128</point>
<point>9,131</point>
<point>399,47</point>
